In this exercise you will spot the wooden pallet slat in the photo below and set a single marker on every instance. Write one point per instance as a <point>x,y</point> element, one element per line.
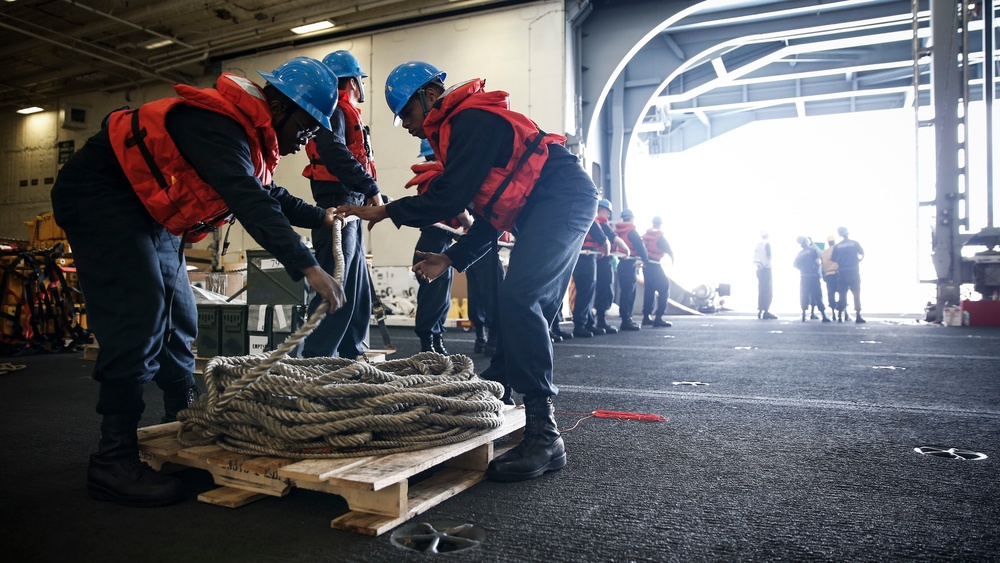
<point>378,489</point>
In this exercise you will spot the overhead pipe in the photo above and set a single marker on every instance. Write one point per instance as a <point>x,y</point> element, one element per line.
<point>128,23</point>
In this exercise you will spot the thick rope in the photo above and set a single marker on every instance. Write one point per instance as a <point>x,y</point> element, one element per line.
<point>335,407</point>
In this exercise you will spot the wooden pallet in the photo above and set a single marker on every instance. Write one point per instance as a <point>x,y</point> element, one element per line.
<point>377,488</point>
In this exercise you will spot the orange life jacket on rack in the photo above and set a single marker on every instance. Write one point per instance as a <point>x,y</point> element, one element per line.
<point>168,186</point>
<point>357,138</point>
<point>649,241</point>
<point>505,190</point>
<point>622,230</point>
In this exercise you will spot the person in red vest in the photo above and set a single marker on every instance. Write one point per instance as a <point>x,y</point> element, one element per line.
<point>604,293</point>
<point>341,171</point>
<point>149,181</point>
<point>433,296</point>
<point>585,279</point>
<point>516,178</point>
<point>628,282</point>
<point>657,282</point>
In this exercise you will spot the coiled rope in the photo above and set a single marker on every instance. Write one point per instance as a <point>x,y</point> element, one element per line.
<point>336,407</point>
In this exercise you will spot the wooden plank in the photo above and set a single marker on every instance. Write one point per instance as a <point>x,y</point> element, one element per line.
<point>229,497</point>
<point>167,446</point>
<point>149,432</point>
<point>384,470</point>
<point>267,465</point>
<point>474,460</point>
<point>319,470</point>
<point>271,487</point>
<point>390,501</point>
<point>425,495</point>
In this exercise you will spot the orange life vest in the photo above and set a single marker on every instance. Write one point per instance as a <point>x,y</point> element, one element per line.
<point>168,186</point>
<point>425,172</point>
<point>505,190</point>
<point>622,230</point>
<point>589,243</point>
<point>649,241</point>
<point>357,137</point>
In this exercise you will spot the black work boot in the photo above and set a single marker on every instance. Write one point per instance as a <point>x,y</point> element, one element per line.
<point>647,321</point>
<point>425,343</point>
<point>580,331</point>
<point>118,475</point>
<point>627,324</point>
<point>437,343</point>
<point>596,331</point>
<point>659,322</point>
<point>558,331</point>
<point>176,400</point>
<point>480,345</point>
<point>858,319</point>
<point>603,323</point>
<point>541,449</point>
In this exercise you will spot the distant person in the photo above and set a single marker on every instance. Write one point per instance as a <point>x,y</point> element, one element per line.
<point>808,262</point>
<point>627,280</point>
<point>604,292</point>
<point>433,296</point>
<point>585,280</point>
<point>765,281</point>
<point>848,255</point>
<point>341,171</point>
<point>831,277</point>
<point>657,282</point>
<point>483,279</point>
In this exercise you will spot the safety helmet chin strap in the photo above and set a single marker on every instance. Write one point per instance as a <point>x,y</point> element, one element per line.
<point>422,92</point>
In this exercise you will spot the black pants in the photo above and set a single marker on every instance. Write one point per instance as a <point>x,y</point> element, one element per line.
<point>585,280</point>
<point>656,283</point>
<point>833,290</point>
<point>604,292</point>
<point>433,297</point>
<point>139,302</point>
<point>344,332</point>
<point>810,292</point>
<point>850,280</point>
<point>481,290</point>
<point>627,286</point>
<point>765,289</point>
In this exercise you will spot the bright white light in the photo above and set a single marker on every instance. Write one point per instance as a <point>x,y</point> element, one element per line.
<point>29,111</point>
<point>156,43</point>
<point>311,27</point>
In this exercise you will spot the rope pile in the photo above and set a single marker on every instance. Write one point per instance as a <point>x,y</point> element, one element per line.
<point>337,407</point>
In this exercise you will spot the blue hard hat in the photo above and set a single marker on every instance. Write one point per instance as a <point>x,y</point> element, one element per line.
<point>627,214</point>
<point>425,148</point>
<point>606,204</point>
<point>309,83</point>
<point>344,64</point>
<point>404,81</point>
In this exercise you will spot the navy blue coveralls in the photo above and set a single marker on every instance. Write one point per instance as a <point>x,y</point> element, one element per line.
<point>343,333</point>
<point>549,231</point>
<point>847,254</point>
<point>132,271</point>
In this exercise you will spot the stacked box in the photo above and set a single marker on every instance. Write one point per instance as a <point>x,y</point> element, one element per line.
<point>286,319</point>
<point>206,344</point>
<point>269,284</point>
<point>234,340</point>
<point>258,329</point>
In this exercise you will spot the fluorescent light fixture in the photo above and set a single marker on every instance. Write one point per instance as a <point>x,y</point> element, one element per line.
<point>156,43</point>
<point>29,111</point>
<point>311,27</point>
